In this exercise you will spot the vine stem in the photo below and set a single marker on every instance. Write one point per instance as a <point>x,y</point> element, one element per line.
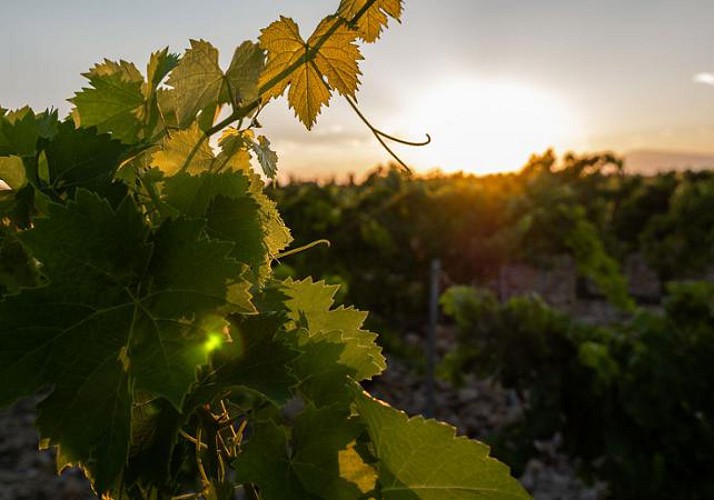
<point>380,136</point>
<point>302,248</point>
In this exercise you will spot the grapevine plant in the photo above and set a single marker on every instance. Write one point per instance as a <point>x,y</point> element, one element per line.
<point>138,299</point>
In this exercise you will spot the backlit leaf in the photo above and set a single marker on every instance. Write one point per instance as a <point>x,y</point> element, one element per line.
<point>12,171</point>
<point>423,459</point>
<point>333,345</point>
<point>338,54</point>
<point>309,462</point>
<point>124,310</point>
<point>113,104</point>
<point>328,59</point>
<point>374,19</point>
<point>19,131</point>
<point>176,149</point>
<point>197,79</point>
<point>267,158</point>
<point>243,73</point>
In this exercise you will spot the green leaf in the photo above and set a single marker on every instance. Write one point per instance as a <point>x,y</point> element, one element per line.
<point>123,311</point>
<point>257,358</point>
<point>12,171</point>
<point>246,66</point>
<point>312,463</point>
<point>310,303</point>
<point>79,157</point>
<point>231,213</point>
<point>198,80</point>
<point>176,148</point>
<point>18,133</point>
<point>236,210</point>
<point>160,64</point>
<point>114,104</point>
<point>333,345</point>
<point>17,269</point>
<point>324,459</point>
<point>265,461</point>
<point>234,153</point>
<point>267,158</point>
<point>423,459</point>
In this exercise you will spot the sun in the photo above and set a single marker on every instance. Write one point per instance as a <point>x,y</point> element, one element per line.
<point>486,127</point>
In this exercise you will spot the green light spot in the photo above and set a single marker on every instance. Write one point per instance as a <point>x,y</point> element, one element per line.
<point>213,342</point>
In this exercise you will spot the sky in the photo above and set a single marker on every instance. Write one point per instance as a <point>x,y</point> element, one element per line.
<point>491,81</point>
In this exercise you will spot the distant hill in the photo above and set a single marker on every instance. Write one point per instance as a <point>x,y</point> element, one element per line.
<point>649,161</point>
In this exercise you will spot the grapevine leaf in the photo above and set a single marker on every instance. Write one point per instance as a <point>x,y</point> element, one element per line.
<point>423,459</point>
<point>338,55</point>
<point>287,51</point>
<point>126,70</point>
<point>176,148</point>
<point>113,104</point>
<point>155,425</point>
<point>78,157</point>
<point>160,64</point>
<point>192,194</point>
<point>374,19</point>
<point>324,458</point>
<point>166,103</point>
<point>122,311</point>
<point>285,47</point>
<point>48,123</point>
<point>311,302</point>
<point>333,346</point>
<point>18,133</point>
<point>193,278</point>
<point>256,358</point>
<point>234,153</point>
<point>246,66</point>
<point>237,210</point>
<point>231,213</point>
<point>267,158</point>
<point>197,79</point>
<point>307,465</point>
<point>17,268</point>
<point>277,235</point>
<point>12,171</point>
<point>265,461</point>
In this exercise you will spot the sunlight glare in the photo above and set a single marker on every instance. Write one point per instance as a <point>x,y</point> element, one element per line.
<point>486,127</point>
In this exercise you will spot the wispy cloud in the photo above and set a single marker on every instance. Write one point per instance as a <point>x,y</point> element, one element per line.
<point>705,78</point>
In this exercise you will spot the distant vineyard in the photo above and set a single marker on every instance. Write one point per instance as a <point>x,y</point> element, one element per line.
<point>385,230</point>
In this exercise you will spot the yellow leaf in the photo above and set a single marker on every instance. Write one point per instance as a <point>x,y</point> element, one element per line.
<point>285,47</point>
<point>338,55</point>
<point>176,149</point>
<point>328,60</point>
<point>374,20</point>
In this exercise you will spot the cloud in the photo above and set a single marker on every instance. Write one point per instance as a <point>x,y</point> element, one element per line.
<point>705,78</point>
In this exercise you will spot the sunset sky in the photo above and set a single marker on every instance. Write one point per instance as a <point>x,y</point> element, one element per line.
<point>490,80</point>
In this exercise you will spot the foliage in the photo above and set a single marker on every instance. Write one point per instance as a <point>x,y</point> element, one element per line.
<point>385,229</point>
<point>630,400</point>
<point>138,291</point>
